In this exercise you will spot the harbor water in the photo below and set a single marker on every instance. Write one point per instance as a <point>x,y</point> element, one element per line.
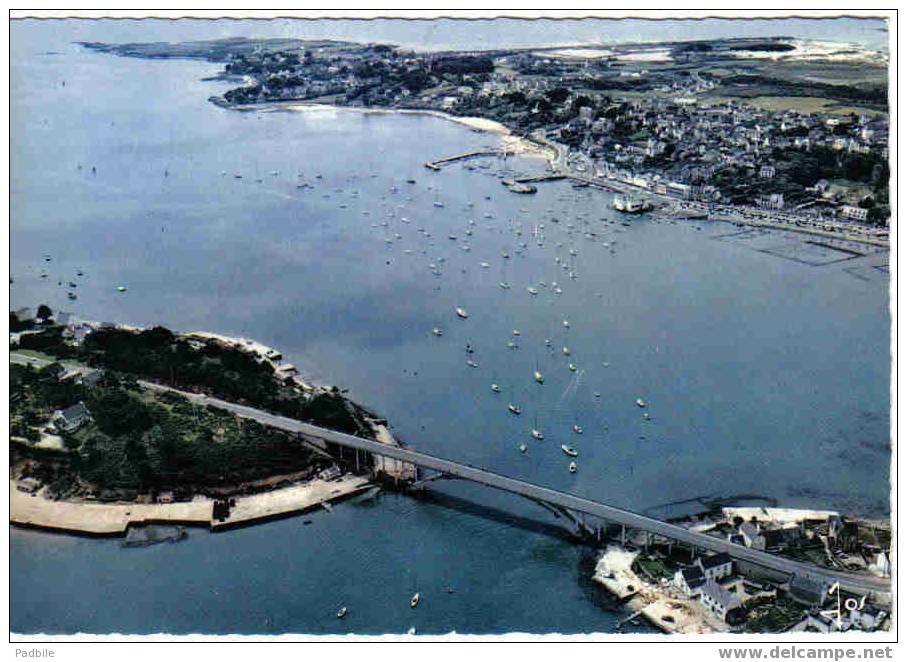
<point>763,360</point>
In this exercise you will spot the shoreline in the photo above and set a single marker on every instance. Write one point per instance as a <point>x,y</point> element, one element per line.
<point>523,146</point>
<point>114,520</point>
<point>512,142</point>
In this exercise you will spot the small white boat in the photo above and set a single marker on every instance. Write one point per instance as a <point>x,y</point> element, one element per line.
<point>484,265</point>
<point>436,331</point>
<point>461,313</point>
<point>647,417</point>
<point>536,434</point>
<point>569,450</point>
<point>514,409</point>
<point>341,612</point>
<point>121,288</point>
<point>640,402</point>
<point>516,332</point>
<point>412,630</point>
<point>532,290</point>
<point>472,364</point>
<point>547,342</point>
<point>566,351</point>
<point>523,448</point>
<point>439,205</point>
<point>572,467</point>
<point>566,324</point>
<point>504,286</point>
<point>495,388</point>
<point>571,367</point>
<point>577,429</point>
<point>538,377</point>
<point>414,600</point>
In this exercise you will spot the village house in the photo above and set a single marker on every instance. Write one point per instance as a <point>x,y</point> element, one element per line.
<point>689,580</point>
<point>71,418</point>
<point>718,599</point>
<point>716,567</point>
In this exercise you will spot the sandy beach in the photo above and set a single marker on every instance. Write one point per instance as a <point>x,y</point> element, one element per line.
<point>111,519</point>
<point>658,604</point>
<point>509,141</point>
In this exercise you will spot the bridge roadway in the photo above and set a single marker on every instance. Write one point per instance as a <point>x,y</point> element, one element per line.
<point>860,584</point>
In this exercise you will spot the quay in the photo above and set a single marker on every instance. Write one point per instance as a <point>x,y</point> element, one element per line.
<point>436,165</point>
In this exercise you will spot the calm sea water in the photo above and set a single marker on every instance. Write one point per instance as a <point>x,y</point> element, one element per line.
<point>764,371</point>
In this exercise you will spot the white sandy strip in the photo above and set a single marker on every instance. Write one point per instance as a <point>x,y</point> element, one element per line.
<point>291,499</point>
<point>510,141</point>
<point>114,518</point>
<point>99,518</point>
<point>782,516</point>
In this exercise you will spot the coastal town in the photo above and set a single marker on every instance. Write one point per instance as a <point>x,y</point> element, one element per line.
<point>773,132</point>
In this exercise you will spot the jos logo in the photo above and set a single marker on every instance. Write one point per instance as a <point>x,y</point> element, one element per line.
<point>850,604</point>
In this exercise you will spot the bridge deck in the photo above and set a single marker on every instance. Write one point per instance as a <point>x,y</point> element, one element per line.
<point>848,581</point>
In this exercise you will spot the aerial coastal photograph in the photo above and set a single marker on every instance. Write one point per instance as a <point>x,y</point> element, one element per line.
<point>340,328</point>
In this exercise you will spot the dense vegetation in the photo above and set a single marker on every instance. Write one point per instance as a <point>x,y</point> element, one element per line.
<point>159,355</point>
<point>139,442</point>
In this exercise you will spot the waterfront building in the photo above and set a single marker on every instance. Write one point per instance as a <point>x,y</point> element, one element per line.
<point>718,599</point>
<point>689,580</point>
<point>854,213</point>
<point>716,567</point>
<point>751,535</point>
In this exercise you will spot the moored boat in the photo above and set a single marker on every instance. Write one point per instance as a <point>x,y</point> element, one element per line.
<point>569,450</point>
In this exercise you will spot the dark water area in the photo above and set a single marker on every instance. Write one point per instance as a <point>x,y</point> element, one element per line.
<point>764,360</point>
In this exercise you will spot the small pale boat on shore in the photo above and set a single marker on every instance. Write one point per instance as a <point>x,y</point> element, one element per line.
<point>412,630</point>
<point>572,467</point>
<point>414,601</point>
<point>569,450</point>
<point>514,409</point>
<point>536,434</point>
<point>341,612</point>
<point>462,313</point>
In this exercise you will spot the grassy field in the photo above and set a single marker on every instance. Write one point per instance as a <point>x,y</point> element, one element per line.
<point>799,104</point>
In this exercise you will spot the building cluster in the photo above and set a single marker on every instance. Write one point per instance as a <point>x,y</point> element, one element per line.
<point>716,583</point>
<point>710,150</point>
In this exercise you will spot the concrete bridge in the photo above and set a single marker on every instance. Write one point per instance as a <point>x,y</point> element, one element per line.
<point>572,506</point>
<point>575,507</point>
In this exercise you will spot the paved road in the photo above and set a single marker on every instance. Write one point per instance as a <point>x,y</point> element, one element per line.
<point>848,581</point>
